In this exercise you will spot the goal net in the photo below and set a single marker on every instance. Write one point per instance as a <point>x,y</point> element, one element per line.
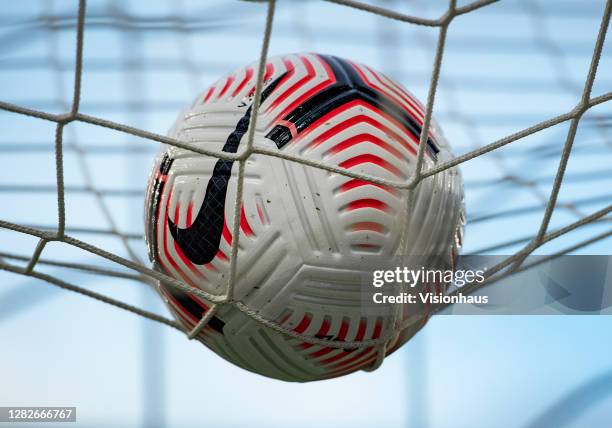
<point>515,171</point>
<point>87,91</point>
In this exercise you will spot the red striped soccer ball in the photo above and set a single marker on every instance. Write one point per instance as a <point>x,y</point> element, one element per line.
<point>306,234</point>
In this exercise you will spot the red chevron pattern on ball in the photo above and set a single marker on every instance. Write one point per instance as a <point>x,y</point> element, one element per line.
<point>306,234</point>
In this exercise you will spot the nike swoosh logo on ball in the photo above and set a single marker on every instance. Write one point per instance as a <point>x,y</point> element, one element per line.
<point>200,241</point>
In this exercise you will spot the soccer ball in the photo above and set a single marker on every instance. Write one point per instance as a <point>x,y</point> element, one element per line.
<point>307,235</point>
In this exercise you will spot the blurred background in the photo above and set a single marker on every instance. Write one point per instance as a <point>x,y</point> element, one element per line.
<point>506,67</point>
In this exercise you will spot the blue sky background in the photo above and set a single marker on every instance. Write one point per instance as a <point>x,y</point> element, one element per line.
<point>506,67</point>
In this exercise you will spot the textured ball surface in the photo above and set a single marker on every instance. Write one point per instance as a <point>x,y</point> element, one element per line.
<point>306,234</point>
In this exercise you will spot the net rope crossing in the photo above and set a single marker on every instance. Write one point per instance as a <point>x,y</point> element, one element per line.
<point>138,271</point>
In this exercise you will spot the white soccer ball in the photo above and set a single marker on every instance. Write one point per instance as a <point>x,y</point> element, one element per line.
<point>307,236</point>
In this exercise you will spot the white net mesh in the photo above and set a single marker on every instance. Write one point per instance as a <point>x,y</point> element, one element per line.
<point>514,175</point>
